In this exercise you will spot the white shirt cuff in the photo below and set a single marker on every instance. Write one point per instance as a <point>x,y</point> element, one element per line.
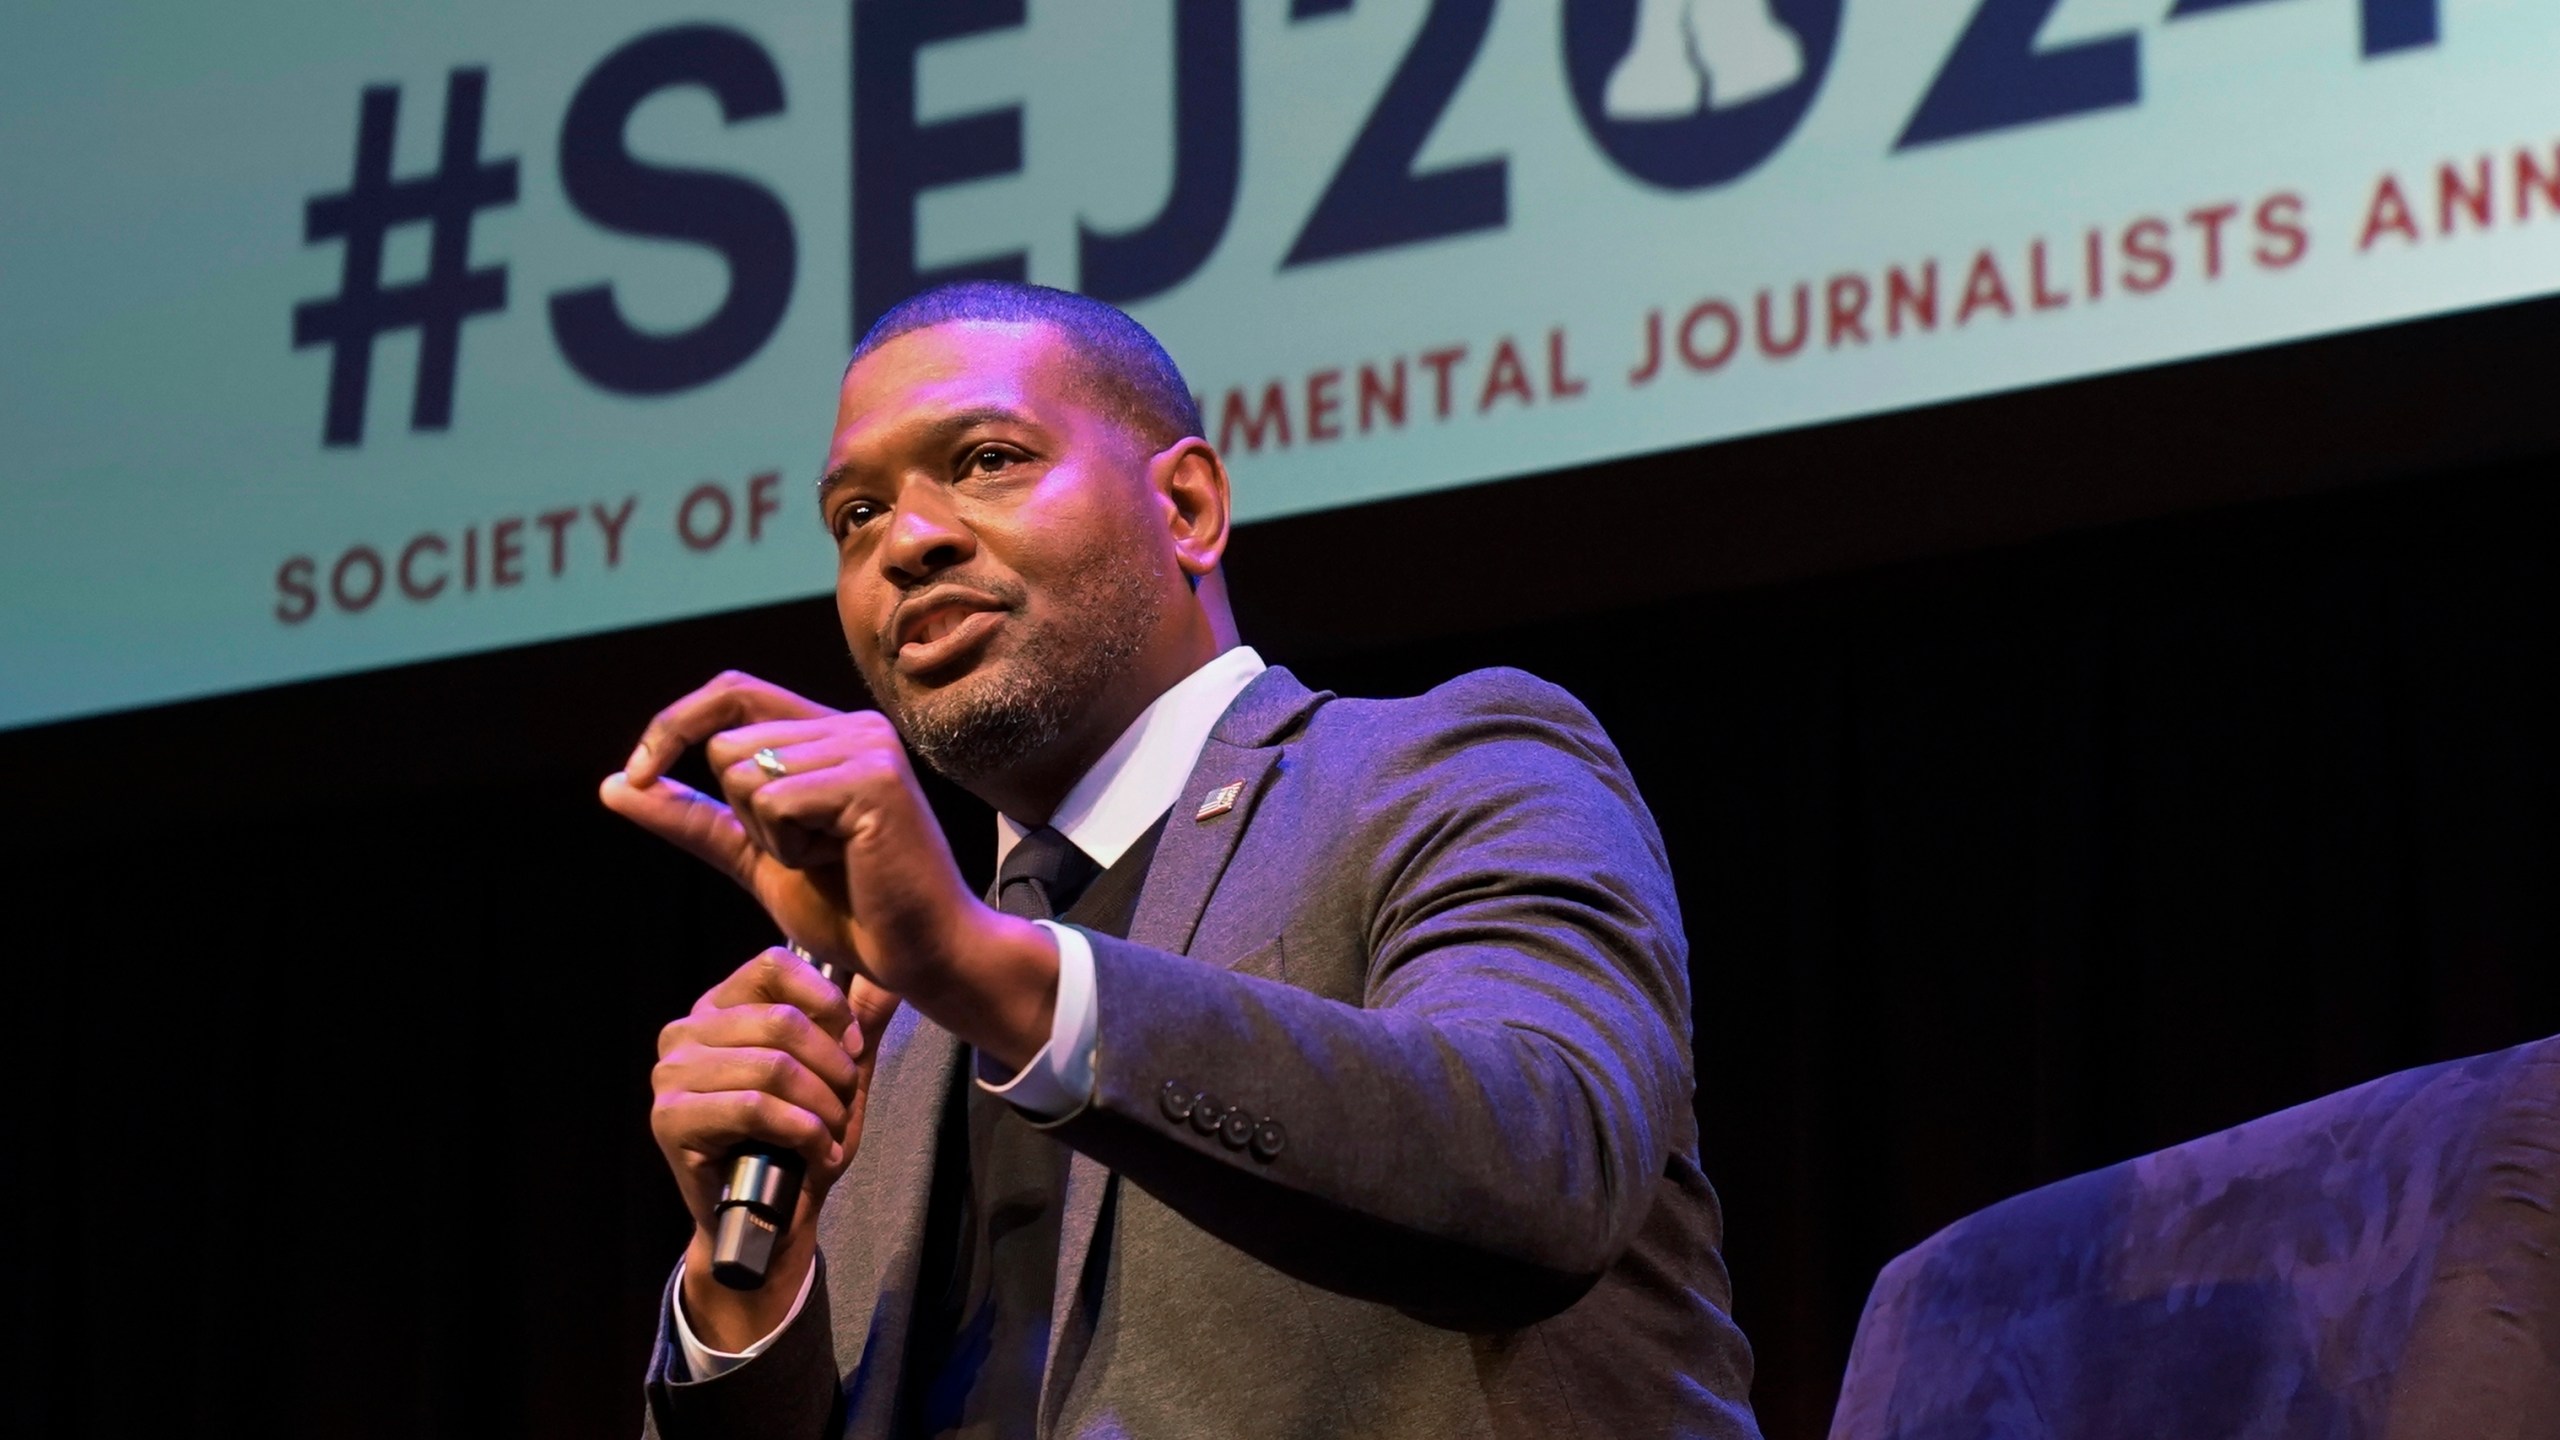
<point>1059,1080</point>
<point>701,1360</point>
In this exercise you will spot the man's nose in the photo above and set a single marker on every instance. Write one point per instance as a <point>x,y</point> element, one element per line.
<point>925,537</point>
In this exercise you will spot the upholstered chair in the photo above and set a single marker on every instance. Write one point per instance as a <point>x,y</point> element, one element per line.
<point>2378,1264</point>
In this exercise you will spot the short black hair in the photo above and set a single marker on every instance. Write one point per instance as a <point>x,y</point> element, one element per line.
<point>1125,368</point>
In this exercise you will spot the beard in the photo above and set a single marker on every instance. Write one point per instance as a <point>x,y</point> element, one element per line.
<point>989,722</point>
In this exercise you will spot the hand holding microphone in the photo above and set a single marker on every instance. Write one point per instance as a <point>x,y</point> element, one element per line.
<point>760,1090</point>
<point>763,1189</point>
<point>826,826</point>
<point>774,1061</point>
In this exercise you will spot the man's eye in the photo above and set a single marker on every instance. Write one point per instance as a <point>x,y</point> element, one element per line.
<point>988,460</point>
<point>854,516</point>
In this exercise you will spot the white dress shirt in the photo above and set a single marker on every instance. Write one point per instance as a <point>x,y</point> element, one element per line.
<point>1135,781</point>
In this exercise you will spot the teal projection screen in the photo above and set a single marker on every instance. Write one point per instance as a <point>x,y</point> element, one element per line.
<point>339,336</point>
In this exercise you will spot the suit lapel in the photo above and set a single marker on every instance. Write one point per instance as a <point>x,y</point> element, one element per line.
<point>1195,849</point>
<point>880,1203</point>
<point>1217,802</point>
<point>1243,751</point>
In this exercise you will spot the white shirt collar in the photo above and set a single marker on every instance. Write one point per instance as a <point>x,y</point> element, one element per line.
<point>1141,775</point>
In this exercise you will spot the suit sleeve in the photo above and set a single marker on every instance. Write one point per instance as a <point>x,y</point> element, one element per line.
<point>1479,1137</point>
<point>789,1389</point>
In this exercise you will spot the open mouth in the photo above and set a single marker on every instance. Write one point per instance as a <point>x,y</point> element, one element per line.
<point>945,632</point>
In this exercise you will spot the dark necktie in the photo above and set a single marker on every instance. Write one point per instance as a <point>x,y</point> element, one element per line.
<point>1042,876</point>
<point>987,1280</point>
<point>982,1325</point>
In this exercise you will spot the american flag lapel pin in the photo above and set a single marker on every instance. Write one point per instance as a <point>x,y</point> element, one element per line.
<point>1220,801</point>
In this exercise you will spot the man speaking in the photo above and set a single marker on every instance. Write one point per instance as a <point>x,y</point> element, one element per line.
<point>1318,1067</point>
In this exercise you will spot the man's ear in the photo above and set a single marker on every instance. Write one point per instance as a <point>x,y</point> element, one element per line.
<point>1192,481</point>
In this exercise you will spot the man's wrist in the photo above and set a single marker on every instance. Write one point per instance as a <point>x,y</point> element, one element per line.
<point>734,1320</point>
<point>1004,999</point>
<point>703,1362</point>
<point>1057,1082</point>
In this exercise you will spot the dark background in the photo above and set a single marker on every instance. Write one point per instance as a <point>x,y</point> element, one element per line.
<point>2050,778</point>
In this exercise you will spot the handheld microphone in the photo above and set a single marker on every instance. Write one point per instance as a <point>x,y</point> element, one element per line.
<point>763,1188</point>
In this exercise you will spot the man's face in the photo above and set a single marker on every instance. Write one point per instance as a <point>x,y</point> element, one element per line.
<point>1001,555</point>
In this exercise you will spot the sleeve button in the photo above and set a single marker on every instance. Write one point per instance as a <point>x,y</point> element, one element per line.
<point>1206,1112</point>
<point>1176,1101</point>
<point>1268,1140</point>
<point>1236,1128</point>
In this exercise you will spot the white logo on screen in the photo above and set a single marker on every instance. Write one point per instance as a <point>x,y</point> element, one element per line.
<point>1694,55</point>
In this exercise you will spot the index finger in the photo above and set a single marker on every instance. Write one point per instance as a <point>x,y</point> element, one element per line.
<point>778,977</point>
<point>732,698</point>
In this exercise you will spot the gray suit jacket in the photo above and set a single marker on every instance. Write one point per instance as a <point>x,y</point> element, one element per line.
<point>1435,943</point>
